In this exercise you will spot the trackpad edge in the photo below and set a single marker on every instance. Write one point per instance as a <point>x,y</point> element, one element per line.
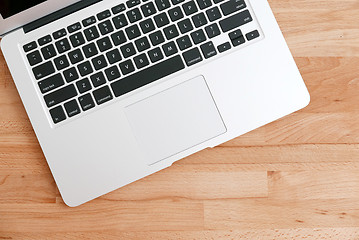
<point>175,120</point>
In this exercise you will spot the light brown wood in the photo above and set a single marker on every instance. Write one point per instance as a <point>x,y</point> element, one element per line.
<point>295,178</point>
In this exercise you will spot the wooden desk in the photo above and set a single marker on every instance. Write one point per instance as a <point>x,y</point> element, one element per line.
<point>295,178</point>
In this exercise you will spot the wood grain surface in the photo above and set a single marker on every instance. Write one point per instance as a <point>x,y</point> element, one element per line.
<point>295,178</point>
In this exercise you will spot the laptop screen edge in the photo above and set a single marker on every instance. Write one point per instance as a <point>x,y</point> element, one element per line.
<point>18,20</point>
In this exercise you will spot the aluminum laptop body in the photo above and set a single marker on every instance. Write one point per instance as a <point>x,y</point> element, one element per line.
<point>127,135</point>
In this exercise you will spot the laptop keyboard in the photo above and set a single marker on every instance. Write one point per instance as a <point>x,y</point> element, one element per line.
<point>129,46</point>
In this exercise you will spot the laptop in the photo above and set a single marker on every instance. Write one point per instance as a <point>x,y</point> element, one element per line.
<point>118,90</point>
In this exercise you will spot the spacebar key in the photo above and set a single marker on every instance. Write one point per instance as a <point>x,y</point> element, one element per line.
<point>147,76</point>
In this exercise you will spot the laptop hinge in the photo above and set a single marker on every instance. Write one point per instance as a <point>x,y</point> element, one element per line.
<point>58,14</point>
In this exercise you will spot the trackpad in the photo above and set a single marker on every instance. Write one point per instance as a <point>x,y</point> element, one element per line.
<point>175,120</point>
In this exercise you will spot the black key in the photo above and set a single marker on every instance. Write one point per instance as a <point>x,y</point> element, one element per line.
<point>132,3</point>
<point>114,56</point>
<point>44,40</point>
<point>77,39</point>
<point>72,108</point>
<point>212,30</point>
<point>86,102</point>
<point>213,14</point>
<point>105,27</point>
<point>162,4</point>
<point>175,13</point>
<point>190,8</point>
<point>184,42</point>
<point>51,83</point>
<point>147,26</point>
<point>118,38</point>
<point>104,44</point>
<point>224,47</point>
<point>148,9</point>
<point>91,33</point>
<point>99,62</point>
<point>235,21</point>
<point>155,55</point>
<point>98,79</point>
<point>48,52</point>
<point>252,35</point>
<point>102,95</point>
<point>85,68</point>
<point>103,15</point>
<point>128,50</point>
<point>57,114</point>
<point>71,74</point>
<point>204,3</point>
<point>112,73</point>
<point>199,20</point>
<point>238,41</point>
<point>83,85</point>
<point>34,58</point>
<point>174,2</point>
<point>142,44</point>
<point>74,27</point>
<point>60,95</point>
<point>217,1</point>
<point>185,26</point>
<point>208,50</point>
<point>43,70</point>
<point>156,38</point>
<point>171,32</point>
<point>232,6</point>
<point>89,21</point>
<point>134,15</point>
<point>235,34</point>
<point>169,48</point>
<point>141,61</point>
<point>119,8</point>
<point>192,57</point>
<point>63,45</point>
<point>30,46</point>
<point>61,62</point>
<point>59,34</point>
<point>161,20</point>
<point>198,36</point>
<point>133,32</point>
<point>127,67</point>
<point>90,50</point>
<point>76,56</point>
<point>147,76</point>
<point>120,21</point>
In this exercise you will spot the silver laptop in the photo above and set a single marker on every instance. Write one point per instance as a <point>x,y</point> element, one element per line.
<point>118,90</point>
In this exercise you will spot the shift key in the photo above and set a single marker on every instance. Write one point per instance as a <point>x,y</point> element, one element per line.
<point>60,95</point>
<point>235,21</point>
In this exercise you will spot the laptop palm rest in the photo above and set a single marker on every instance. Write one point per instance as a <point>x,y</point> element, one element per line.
<point>175,120</point>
